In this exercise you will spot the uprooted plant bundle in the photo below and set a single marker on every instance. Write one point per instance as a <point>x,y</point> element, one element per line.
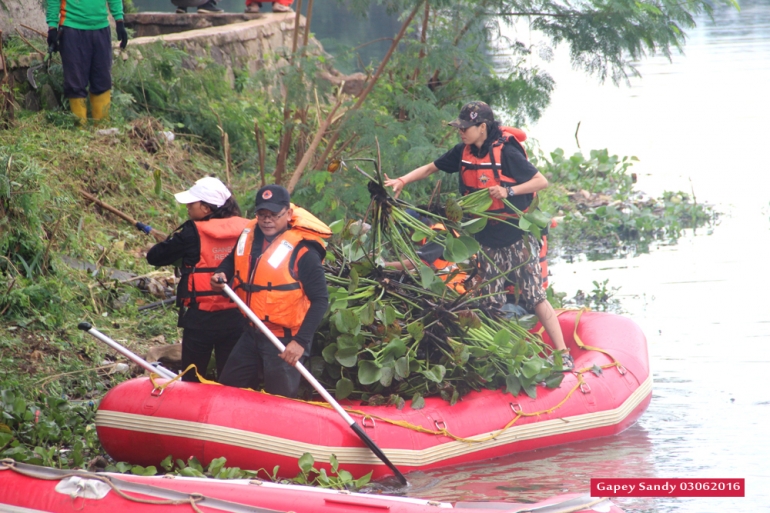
<point>395,335</point>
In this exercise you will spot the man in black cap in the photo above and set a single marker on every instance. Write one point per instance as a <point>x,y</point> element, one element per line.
<point>275,268</point>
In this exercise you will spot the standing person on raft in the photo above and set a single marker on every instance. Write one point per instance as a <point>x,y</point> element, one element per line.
<point>276,270</point>
<point>80,32</point>
<point>488,159</point>
<point>209,320</point>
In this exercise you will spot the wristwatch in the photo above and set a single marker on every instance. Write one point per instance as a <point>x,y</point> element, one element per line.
<point>510,191</point>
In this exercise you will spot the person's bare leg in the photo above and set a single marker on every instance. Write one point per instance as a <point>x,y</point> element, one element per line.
<point>550,321</point>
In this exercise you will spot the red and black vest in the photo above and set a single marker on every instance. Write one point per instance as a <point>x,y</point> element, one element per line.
<point>217,238</point>
<point>484,172</point>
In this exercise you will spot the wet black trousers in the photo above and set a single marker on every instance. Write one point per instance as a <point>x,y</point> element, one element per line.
<point>254,353</point>
<point>197,345</point>
<point>86,57</point>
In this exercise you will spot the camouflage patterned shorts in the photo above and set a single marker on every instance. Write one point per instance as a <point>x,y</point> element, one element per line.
<point>522,263</point>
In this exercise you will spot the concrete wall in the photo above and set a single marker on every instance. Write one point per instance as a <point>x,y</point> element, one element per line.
<point>27,12</point>
<point>255,45</point>
<point>251,44</point>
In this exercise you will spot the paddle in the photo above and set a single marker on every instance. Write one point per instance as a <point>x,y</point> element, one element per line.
<point>162,371</point>
<point>318,387</point>
<point>149,230</point>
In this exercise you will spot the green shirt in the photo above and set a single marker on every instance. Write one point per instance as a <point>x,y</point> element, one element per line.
<point>83,14</point>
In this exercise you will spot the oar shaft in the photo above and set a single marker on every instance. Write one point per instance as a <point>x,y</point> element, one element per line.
<point>159,236</point>
<point>278,344</point>
<point>162,371</point>
<point>318,387</point>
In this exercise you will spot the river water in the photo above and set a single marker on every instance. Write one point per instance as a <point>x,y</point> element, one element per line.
<point>698,124</point>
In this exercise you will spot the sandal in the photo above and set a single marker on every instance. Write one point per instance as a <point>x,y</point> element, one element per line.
<point>567,362</point>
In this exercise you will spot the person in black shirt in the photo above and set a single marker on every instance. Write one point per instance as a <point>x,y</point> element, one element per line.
<point>486,159</point>
<point>276,270</point>
<point>210,321</point>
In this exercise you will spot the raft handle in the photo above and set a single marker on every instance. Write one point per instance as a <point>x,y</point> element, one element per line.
<point>368,417</point>
<point>440,423</point>
<point>515,407</point>
<point>585,388</point>
<point>157,392</point>
<point>621,370</point>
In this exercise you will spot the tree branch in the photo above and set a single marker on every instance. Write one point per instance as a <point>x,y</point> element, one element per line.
<point>375,78</point>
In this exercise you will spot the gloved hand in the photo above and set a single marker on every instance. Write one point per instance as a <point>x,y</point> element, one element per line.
<point>53,40</point>
<point>120,29</point>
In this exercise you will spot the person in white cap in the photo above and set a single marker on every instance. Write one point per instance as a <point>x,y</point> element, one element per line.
<point>210,321</point>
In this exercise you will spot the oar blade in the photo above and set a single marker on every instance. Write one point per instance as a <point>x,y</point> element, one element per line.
<point>378,452</point>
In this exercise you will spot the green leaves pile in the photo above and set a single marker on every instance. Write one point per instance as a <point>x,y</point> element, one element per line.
<point>392,336</point>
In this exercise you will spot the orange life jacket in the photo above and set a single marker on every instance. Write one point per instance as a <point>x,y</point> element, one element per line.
<point>453,278</point>
<point>271,287</point>
<point>217,238</point>
<point>484,172</point>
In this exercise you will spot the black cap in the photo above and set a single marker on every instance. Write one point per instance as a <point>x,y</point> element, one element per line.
<point>472,114</point>
<point>273,198</point>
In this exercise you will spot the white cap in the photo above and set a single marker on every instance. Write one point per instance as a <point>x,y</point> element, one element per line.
<point>209,190</point>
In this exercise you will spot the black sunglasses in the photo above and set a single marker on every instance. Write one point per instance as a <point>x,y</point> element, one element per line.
<point>463,130</point>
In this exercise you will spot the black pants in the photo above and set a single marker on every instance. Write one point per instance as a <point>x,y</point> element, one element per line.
<point>197,345</point>
<point>254,352</point>
<point>86,57</point>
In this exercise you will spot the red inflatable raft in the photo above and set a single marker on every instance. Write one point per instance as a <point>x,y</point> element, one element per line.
<point>30,489</point>
<point>140,422</point>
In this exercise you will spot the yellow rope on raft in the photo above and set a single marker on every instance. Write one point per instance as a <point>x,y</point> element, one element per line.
<point>445,432</point>
<point>192,366</point>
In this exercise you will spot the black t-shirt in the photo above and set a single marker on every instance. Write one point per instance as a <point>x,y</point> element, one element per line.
<point>514,165</point>
<point>183,247</point>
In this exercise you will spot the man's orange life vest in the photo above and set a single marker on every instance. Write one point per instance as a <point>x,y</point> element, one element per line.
<point>271,287</point>
<point>217,238</point>
<point>484,172</point>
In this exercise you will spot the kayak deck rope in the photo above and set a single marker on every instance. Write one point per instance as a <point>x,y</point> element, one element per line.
<point>192,499</point>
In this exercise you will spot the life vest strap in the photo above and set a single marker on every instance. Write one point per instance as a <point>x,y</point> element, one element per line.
<point>250,287</point>
<point>191,270</point>
<point>204,293</point>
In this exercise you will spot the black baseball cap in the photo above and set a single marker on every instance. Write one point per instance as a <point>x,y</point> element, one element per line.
<point>273,198</point>
<point>472,114</point>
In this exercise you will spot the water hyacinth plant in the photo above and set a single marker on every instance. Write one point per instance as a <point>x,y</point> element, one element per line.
<point>396,335</point>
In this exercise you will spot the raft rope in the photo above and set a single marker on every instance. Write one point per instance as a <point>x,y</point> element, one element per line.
<point>445,431</point>
<point>192,500</point>
<point>161,386</point>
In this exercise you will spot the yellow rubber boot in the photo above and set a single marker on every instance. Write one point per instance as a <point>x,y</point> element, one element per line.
<point>100,105</point>
<point>79,109</point>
